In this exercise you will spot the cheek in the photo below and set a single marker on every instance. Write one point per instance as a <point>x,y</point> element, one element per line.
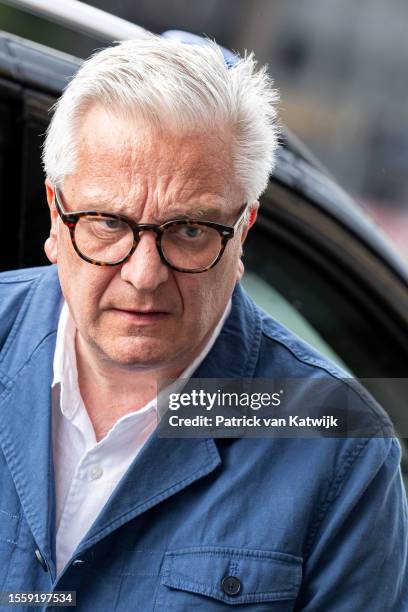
<point>225,277</point>
<point>206,295</point>
<point>82,284</point>
<point>67,259</point>
<point>225,272</point>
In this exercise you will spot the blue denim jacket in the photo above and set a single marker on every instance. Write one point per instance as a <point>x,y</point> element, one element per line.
<point>297,524</point>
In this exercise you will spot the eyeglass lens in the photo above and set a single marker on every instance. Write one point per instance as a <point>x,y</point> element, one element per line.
<point>184,245</point>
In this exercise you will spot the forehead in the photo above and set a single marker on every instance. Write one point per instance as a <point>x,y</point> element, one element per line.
<point>130,167</point>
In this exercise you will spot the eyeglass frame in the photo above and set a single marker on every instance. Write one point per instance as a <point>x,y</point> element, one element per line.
<point>70,219</point>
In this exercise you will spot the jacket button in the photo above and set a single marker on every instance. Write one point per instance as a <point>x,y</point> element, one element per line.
<point>41,560</point>
<point>231,585</point>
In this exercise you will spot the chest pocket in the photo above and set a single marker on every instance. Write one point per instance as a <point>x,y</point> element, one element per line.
<point>213,578</point>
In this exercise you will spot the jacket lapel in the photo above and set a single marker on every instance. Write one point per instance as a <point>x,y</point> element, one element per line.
<point>163,468</point>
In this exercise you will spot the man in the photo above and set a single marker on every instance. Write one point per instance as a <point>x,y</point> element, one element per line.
<point>155,159</point>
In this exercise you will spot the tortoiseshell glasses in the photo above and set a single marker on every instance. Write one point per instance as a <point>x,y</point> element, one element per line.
<point>106,239</point>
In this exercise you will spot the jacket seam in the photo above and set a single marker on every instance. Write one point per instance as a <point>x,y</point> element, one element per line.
<point>257,331</point>
<point>202,588</point>
<point>334,491</point>
<point>241,552</point>
<point>302,358</point>
<point>17,279</point>
<point>4,379</point>
<point>311,361</point>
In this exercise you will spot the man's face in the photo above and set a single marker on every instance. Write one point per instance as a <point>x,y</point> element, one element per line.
<point>142,313</point>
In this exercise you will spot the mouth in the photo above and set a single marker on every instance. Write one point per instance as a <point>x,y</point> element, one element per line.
<point>141,316</point>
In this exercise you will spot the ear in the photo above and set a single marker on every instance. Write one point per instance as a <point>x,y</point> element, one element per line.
<point>253,213</point>
<point>50,246</point>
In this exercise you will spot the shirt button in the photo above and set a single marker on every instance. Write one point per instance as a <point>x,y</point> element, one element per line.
<point>95,472</point>
<point>231,585</point>
<point>41,560</point>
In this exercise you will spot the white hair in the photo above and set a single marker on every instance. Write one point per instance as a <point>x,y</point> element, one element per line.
<point>171,85</point>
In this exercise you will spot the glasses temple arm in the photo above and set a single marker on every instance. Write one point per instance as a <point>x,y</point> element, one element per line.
<point>240,218</point>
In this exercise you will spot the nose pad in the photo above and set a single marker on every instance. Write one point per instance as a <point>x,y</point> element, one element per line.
<point>147,237</point>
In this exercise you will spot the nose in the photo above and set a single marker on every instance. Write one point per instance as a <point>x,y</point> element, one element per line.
<point>144,269</point>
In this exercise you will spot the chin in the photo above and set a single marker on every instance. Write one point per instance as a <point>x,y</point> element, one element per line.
<point>140,354</point>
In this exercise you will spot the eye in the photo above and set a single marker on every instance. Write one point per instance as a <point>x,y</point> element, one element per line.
<point>190,231</point>
<point>102,227</point>
<point>110,224</point>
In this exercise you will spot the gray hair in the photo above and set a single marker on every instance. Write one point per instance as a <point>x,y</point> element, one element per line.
<point>176,86</point>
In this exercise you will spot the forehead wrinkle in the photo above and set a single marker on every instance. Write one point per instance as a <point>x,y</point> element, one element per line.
<point>143,173</point>
<point>192,174</point>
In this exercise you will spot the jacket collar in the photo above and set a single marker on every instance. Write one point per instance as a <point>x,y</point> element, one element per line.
<point>164,466</point>
<point>235,352</point>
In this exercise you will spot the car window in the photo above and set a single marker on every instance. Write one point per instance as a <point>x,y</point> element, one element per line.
<point>23,211</point>
<point>275,304</point>
<point>339,280</point>
<point>39,30</point>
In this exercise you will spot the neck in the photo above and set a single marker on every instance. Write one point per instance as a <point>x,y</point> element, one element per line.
<point>110,392</point>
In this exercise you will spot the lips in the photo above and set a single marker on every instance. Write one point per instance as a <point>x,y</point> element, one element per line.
<point>141,317</point>
<point>141,312</point>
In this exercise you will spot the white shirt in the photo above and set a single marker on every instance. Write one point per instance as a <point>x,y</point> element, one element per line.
<point>87,471</point>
